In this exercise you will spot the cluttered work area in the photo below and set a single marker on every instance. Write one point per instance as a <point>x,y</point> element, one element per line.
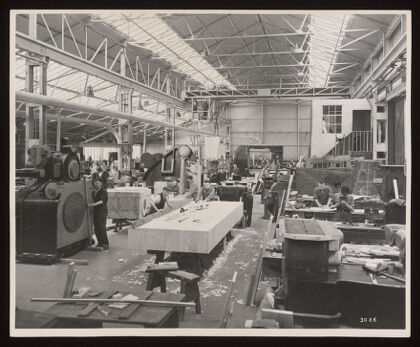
<point>211,171</point>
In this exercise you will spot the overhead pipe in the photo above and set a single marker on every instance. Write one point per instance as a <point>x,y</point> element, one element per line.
<point>96,136</point>
<point>85,121</point>
<point>68,105</point>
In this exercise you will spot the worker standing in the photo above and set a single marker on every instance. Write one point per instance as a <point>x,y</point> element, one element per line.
<point>174,187</point>
<point>100,213</point>
<point>236,173</point>
<point>207,192</point>
<point>193,189</point>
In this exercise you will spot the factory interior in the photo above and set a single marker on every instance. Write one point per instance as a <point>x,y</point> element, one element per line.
<point>210,170</point>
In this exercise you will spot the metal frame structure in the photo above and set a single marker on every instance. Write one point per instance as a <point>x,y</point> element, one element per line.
<point>283,93</point>
<point>273,57</point>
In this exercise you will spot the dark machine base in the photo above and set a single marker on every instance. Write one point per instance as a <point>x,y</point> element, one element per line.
<point>37,258</point>
<point>48,258</point>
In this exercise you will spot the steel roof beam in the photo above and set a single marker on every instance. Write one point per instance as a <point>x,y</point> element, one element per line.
<point>35,46</point>
<point>276,66</point>
<point>358,39</point>
<point>246,36</point>
<point>257,53</point>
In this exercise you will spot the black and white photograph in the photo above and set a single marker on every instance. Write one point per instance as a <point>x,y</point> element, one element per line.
<point>210,172</point>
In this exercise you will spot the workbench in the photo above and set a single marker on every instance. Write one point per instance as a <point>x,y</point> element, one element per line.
<point>196,228</point>
<point>234,183</point>
<point>146,316</point>
<point>324,213</point>
<point>34,320</point>
<point>362,233</point>
<point>347,289</point>
<point>351,292</point>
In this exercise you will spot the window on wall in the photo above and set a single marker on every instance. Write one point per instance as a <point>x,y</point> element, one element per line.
<point>381,131</point>
<point>331,119</point>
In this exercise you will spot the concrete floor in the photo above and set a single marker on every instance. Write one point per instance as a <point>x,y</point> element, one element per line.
<point>123,269</point>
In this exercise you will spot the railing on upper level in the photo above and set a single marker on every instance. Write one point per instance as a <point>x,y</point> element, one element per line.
<point>356,141</point>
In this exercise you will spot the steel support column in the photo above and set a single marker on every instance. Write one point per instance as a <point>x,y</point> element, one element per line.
<point>297,129</point>
<point>144,139</point>
<point>125,128</point>
<point>58,137</point>
<point>36,82</point>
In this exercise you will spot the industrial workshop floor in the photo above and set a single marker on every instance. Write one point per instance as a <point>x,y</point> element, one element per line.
<point>123,269</point>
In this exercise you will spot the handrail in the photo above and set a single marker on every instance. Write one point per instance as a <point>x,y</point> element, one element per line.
<point>356,141</point>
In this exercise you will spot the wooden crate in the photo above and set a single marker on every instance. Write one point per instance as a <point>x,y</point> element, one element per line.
<point>128,202</point>
<point>193,231</point>
<point>308,244</point>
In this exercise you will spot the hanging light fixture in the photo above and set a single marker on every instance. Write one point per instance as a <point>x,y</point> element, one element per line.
<point>140,106</point>
<point>89,92</point>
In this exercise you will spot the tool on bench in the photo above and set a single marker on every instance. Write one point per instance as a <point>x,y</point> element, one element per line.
<point>128,311</point>
<point>182,219</point>
<point>380,271</point>
<point>104,310</point>
<point>92,306</point>
<point>372,278</point>
<point>92,294</point>
<point>80,293</point>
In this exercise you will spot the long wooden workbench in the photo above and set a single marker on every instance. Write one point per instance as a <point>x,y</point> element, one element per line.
<point>196,228</point>
<point>324,213</point>
<point>362,233</point>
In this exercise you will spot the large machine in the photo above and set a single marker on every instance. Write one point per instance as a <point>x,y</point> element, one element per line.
<point>252,158</point>
<point>171,164</point>
<point>52,214</point>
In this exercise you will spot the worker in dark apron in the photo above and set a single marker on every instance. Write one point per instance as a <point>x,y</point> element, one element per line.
<point>158,201</point>
<point>100,212</point>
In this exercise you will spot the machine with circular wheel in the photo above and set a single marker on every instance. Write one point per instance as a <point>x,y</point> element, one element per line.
<point>52,217</point>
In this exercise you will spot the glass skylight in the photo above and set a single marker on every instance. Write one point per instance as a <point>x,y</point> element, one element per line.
<point>328,31</point>
<point>151,32</point>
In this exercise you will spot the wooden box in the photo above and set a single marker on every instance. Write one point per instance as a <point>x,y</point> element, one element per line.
<point>128,202</point>
<point>308,244</point>
<point>196,230</point>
